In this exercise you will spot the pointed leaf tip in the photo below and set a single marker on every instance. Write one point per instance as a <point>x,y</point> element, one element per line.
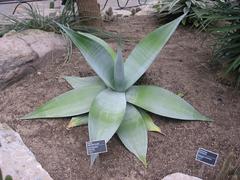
<point>93,158</point>
<point>151,126</point>
<point>163,102</point>
<point>147,50</point>
<point>144,161</point>
<point>77,121</point>
<point>95,53</point>
<point>71,103</point>
<point>133,133</point>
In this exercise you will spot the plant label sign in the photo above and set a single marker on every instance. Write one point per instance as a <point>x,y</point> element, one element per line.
<point>207,157</point>
<point>96,147</point>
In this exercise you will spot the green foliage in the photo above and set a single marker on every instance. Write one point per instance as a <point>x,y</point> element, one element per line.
<point>77,121</point>
<point>221,17</point>
<point>168,9</point>
<point>35,20</point>
<point>112,103</point>
<point>8,177</point>
<point>133,133</point>
<point>226,17</point>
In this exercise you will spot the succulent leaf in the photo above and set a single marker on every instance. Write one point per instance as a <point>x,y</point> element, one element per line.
<point>101,42</point>
<point>162,102</point>
<point>95,54</point>
<point>71,103</point>
<point>105,115</point>
<point>133,133</point>
<point>119,78</point>
<point>149,122</point>
<point>78,121</point>
<point>78,82</point>
<point>147,50</point>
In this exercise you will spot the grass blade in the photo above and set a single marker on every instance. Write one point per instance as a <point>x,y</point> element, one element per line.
<point>227,28</point>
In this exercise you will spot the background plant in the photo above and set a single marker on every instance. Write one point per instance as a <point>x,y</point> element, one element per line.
<point>35,20</point>
<point>110,103</point>
<point>226,18</point>
<point>169,9</point>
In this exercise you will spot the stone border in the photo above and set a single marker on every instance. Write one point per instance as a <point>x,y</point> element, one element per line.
<point>22,53</point>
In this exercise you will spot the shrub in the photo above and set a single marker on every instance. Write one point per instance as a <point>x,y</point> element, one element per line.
<point>169,9</point>
<point>226,18</point>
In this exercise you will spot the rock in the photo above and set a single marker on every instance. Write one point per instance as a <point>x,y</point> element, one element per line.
<point>146,10</point>
<point>122,13</point>
<point>180,176</point>
<point>16,159</point>
<point>112,14</point>
<point>21,53</point>
<point>16,56</point>
<point>10,33</point>
<point>42,42</point>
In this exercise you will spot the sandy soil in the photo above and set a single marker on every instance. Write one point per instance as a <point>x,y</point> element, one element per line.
<point>182,67</point>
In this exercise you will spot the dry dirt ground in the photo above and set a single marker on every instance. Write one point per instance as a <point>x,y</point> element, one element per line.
<point>182,67</point>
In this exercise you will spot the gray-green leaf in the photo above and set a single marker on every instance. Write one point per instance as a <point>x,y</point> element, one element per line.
<point>149,122</point>
<point>162,102</point>
<point>147,50</point>
<point>96,54</point>
<point>79,82</point>
<point>101,42</point>
<point>71,103</point>
<point>133,133</point>
<point>119,78</point>
<point>105,116</point>
<point>78,121</point>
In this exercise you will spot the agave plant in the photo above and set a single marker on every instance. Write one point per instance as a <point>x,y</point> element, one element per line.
<point>110,103</point>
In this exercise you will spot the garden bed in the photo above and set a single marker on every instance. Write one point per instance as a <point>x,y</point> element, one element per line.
<point>183,67</point>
